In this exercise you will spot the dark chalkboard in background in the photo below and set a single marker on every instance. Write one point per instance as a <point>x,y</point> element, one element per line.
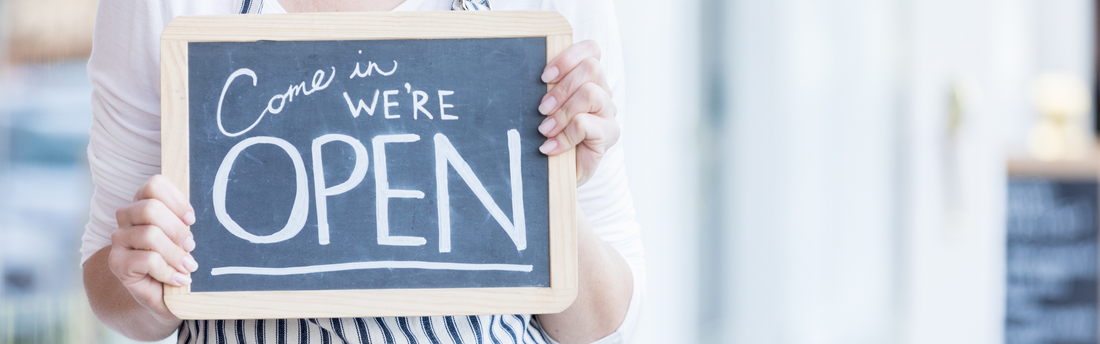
<point>1051,258</point>
<point>380,165</point>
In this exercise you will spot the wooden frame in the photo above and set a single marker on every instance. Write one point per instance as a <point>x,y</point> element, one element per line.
<point>374,302</point>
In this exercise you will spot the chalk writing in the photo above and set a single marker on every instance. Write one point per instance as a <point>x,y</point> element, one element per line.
<point>445,155</point>
<point>404,172</point>
<point>282,98</point>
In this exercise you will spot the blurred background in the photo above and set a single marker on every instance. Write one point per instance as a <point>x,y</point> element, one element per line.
<point>827,171</point>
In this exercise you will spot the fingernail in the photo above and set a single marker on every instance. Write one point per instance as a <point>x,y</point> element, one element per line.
<point>189,218</point>
<point>547,126</point>
<point>548,146</point>
<point>549,74</point>
<point>547,105</point>
<point>190,264</point>
<point>189,244</point>
<point>181,279</point>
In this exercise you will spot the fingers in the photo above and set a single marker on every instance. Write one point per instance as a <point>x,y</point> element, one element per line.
<point>568,59</point>
<point>153,238</point>
<point>594,132</point>
<point>154,212</point>
<point>589,99</point>
<point>574,67</point>
<point>160,188</point>
<point>132,266</point>
<point>579,109</point>
<point>592,136</point>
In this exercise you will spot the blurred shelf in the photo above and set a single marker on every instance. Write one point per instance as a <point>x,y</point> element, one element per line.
<point>1067,169</point>
<point>1083,169</point>
<point>38,31</point>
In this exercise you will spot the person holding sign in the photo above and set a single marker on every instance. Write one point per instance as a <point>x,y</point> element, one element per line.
<point>137,239</point>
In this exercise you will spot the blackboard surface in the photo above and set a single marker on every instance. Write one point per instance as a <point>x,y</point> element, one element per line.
<point>1051,262</point>
<point>471,93</point>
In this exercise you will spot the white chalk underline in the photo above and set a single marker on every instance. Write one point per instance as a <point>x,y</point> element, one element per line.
<point>298,270</point>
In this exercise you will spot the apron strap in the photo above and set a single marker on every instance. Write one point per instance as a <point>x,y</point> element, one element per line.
<point>471,5</point>
<point>249,6</point>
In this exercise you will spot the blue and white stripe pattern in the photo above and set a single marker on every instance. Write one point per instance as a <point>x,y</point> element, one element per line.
<point>471,5</point>
<point>250,6</point>
<point>474,329</point>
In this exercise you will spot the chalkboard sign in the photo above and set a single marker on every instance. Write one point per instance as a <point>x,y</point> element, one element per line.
<point>372,164</point>
<point>1051,258</point>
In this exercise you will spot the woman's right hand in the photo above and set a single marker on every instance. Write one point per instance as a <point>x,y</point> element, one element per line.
<point>153,243</point>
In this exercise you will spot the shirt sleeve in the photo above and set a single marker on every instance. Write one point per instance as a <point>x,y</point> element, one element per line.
<point>606,199</point>
<point>124,68</point>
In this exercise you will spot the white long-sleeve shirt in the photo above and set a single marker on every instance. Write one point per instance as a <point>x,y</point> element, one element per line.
<point>125,151</point>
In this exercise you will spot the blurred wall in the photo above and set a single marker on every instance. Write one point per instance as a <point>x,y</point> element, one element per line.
<point>811,141</point>
<point>661,48</point>
<point>952,265</point>
<point>859,150</point>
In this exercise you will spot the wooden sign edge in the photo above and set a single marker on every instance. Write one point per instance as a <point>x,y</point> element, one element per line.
<point>368,302</point>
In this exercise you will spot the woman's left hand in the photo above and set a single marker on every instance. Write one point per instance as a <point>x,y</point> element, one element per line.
<point>579,111</point>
